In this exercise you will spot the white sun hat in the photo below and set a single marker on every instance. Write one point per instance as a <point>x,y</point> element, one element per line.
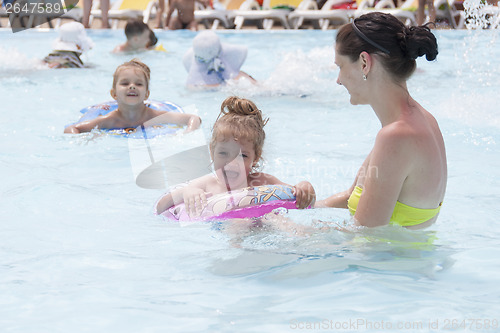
<point>72,37</point>
<point>211,62</point>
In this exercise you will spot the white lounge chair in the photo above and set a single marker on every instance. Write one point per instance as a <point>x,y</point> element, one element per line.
<point>126,10</point>
<point>320,18</point>
<point>215,16</point>
<point>405,13</point>
<point>447,10</point>
<point>265,16</point>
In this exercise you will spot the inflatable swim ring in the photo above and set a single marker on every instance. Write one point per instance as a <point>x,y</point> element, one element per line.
<point>245,203</point>
<point>94,111</point>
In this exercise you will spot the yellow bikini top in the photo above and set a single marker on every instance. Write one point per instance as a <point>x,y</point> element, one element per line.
<point>402,215</point>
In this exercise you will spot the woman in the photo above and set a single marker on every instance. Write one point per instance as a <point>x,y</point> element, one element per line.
<point>403,179</point>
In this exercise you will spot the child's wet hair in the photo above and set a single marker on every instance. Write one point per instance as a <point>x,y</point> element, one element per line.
<point>134,63</point>
<point>240,118</point>
<point>135,27</point>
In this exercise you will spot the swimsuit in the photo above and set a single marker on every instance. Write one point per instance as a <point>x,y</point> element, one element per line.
<point>64,59</point>
<point>402,215</point>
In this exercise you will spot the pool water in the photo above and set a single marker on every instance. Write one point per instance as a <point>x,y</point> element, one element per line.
<point>81,250</point>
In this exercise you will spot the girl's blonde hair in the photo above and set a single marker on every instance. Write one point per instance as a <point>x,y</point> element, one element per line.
<point>240,118</point>
<point>136,64</point>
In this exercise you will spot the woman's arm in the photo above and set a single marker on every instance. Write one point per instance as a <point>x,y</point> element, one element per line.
<point>390,162</point>
<point>339,200</point>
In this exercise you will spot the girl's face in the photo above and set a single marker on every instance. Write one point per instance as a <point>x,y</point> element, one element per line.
<point>350,76</point>
<point>233,161</point>
<point>131,87</point>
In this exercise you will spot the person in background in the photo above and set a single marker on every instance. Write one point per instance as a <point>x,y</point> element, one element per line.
<point>210,63</point>
<point>403,179</point>
<point>87,8</point>
<point>185,14</point>
<point>139,37</point>
<point>421,11</point>
<point>68,47</point>
<point>130,90</point>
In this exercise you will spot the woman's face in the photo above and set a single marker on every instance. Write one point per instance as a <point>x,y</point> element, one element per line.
<point>233,161</point>
<point>351,77</point>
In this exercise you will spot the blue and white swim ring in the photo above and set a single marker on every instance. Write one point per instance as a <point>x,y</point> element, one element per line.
<point>102,109</point>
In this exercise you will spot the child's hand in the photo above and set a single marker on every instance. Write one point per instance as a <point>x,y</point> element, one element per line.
<point>304,194</point>
<point>195,200</point>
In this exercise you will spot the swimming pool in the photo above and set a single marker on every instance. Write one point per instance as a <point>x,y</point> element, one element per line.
<point>81,251</point>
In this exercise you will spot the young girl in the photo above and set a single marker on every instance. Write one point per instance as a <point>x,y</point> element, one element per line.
<point>69,46</point>
<point>236,150</point>
<point>130,90</point>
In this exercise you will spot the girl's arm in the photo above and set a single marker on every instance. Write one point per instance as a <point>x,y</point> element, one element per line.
<point>193,123</point>
<point>85,126</point>
<point>304,194</point>
<point>193,196</point>
<point>303,191</point>
<point>190,120</point>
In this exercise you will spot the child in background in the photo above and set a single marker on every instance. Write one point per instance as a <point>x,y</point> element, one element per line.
<point>210,63</point>
<point>236,150</point>
<point>130,90</point>
<point>72,42</point>
<point>139,37</point>
<point>185,14</point>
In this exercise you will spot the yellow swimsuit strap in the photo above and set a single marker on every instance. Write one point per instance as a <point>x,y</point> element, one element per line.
<point>402,215</point>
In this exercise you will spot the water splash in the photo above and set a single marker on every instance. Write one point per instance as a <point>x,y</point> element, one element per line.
<point>480,15</point>
<point>297,74</point>
<point>13,60</point>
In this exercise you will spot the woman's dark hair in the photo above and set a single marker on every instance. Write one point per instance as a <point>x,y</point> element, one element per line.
<point>383,34</point>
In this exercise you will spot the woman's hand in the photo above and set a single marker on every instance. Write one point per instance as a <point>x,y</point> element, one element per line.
<point>304,194</point>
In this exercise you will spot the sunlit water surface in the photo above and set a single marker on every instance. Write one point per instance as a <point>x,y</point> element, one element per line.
<point>81,250</point>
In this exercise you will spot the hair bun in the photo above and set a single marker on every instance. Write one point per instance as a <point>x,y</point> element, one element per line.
<point>419,41</point>
<point>241,107</point>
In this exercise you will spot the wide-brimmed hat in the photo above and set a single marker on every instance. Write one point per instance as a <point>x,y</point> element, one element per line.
<point>72,37</point>
<point>211,62</point>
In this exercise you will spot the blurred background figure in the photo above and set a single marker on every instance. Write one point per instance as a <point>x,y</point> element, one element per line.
<point>87,8</point>
<point>421,11</point>
<point>68,47</point>
<point>185,14</point>
<point>210,63</point>
<point>139,37</point>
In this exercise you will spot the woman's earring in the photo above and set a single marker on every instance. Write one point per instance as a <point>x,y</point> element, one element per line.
<point>364,77</point>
